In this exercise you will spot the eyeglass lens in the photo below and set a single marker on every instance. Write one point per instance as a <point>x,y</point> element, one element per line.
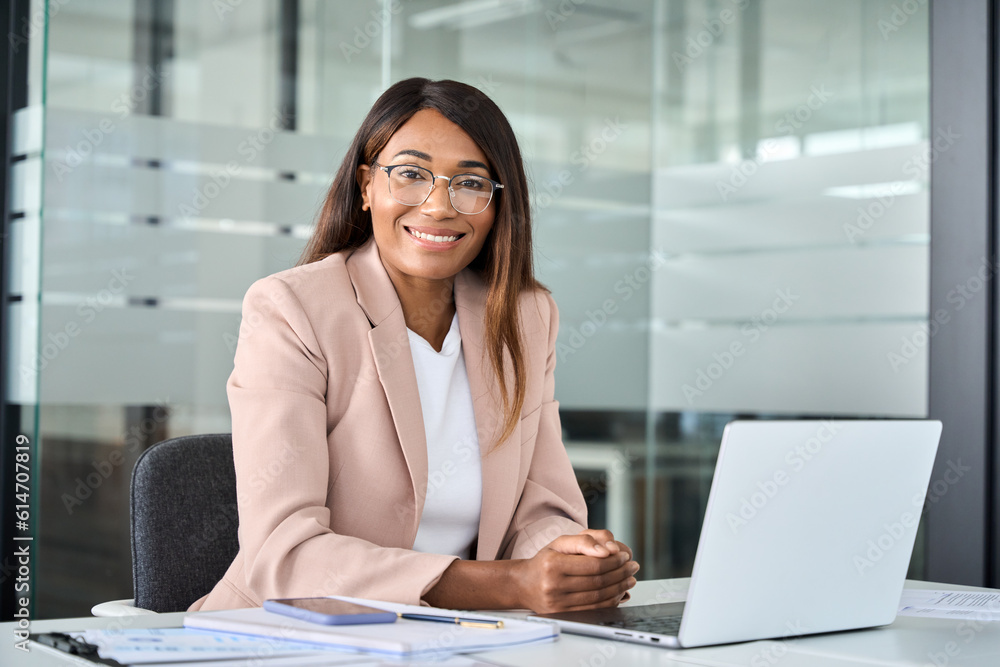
<point>410,186</point>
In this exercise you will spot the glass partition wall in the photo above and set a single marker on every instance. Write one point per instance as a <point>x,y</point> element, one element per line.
<point>790,200</point>
<point>730,208</point>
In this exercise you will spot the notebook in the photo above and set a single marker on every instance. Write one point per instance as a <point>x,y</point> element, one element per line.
<point>809,528</point>
<point>407,638</point>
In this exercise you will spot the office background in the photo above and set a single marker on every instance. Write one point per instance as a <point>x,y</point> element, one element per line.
<point>732,207</point>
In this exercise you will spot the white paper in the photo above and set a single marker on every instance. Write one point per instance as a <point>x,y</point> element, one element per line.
<point>314,660</point>
<point>168,647</point>
<point>138,646</point>
<point>976,605</point>
<point>330,658</point>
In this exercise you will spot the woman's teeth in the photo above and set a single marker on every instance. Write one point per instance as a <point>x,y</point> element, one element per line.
<point>436,239</point>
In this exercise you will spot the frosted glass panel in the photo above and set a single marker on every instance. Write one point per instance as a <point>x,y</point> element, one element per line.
<point>793,218</point>
<point>833,369</point>
<point>154,229</point>
<point>125,355</point>
<point>811,284</point>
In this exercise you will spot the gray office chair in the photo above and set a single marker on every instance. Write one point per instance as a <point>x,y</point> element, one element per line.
<point>184,520</point>
<point>184,523</point>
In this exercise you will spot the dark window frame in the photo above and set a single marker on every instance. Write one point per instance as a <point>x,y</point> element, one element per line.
<point>962,509</point>
<point>14,83</point>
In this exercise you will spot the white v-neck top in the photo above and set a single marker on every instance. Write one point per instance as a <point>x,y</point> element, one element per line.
<point>450,521</point>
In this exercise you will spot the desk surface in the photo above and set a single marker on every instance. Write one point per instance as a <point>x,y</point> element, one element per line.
<point>908,641</point>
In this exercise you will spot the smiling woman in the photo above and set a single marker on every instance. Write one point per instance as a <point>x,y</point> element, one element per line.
<point>402,379</point>
<point>424,244</point>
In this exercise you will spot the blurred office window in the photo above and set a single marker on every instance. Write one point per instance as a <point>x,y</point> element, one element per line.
<point>790,202</point>
<point>730,204</point>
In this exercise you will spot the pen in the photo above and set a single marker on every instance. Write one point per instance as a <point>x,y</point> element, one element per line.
<point>458,620</point>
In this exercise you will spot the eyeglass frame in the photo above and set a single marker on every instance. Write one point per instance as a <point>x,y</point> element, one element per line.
<point>451,192</point>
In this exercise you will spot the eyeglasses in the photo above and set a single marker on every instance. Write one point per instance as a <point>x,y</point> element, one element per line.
<point>411,185</point>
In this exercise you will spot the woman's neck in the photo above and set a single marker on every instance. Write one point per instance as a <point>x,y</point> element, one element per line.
<point>428,307</point>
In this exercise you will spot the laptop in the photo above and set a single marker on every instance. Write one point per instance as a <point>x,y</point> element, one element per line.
<point>809,528</point>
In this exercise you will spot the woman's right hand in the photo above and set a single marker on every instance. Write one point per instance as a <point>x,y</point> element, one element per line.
<point>576,572</point>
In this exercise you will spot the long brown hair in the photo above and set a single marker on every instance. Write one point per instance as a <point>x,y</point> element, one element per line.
<point>504,263</point>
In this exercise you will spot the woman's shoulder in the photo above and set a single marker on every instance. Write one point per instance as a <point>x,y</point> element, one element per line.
<point>538,308</point>
<point>304,275</point>
<point>534,302</point>
<point>538,297</point>
<point>307,283</point>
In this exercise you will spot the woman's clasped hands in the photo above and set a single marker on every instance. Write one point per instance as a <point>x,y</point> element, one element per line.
<point>588,570</point>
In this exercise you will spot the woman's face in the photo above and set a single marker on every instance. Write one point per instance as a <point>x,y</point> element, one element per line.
<point>428,140</point>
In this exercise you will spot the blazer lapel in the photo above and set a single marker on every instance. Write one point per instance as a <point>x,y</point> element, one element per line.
<point>500,467</point>
<point>391,349</point>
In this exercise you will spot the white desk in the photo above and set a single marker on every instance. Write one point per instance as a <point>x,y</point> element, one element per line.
<point>908,641</point>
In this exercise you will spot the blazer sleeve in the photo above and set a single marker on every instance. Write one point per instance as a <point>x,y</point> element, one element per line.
<point>277,396</point>
<point>551,503</point>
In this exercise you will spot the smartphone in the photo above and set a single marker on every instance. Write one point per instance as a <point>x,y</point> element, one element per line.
<point>329,611</point>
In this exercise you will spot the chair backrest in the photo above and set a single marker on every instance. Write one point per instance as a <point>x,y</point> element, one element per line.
<point>184,520</point>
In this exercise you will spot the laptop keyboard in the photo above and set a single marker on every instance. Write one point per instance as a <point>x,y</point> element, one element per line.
<point>661,625</point>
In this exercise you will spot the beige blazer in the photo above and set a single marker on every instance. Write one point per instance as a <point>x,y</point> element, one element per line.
<point>329,442</point>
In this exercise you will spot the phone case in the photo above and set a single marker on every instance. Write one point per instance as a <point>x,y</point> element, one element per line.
<point>376,615</point>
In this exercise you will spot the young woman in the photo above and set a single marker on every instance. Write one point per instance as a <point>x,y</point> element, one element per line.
<point>394,428</point>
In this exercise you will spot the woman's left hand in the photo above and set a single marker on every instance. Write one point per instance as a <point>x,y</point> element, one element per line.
<point>604,545</point>
<point>604,537</point>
